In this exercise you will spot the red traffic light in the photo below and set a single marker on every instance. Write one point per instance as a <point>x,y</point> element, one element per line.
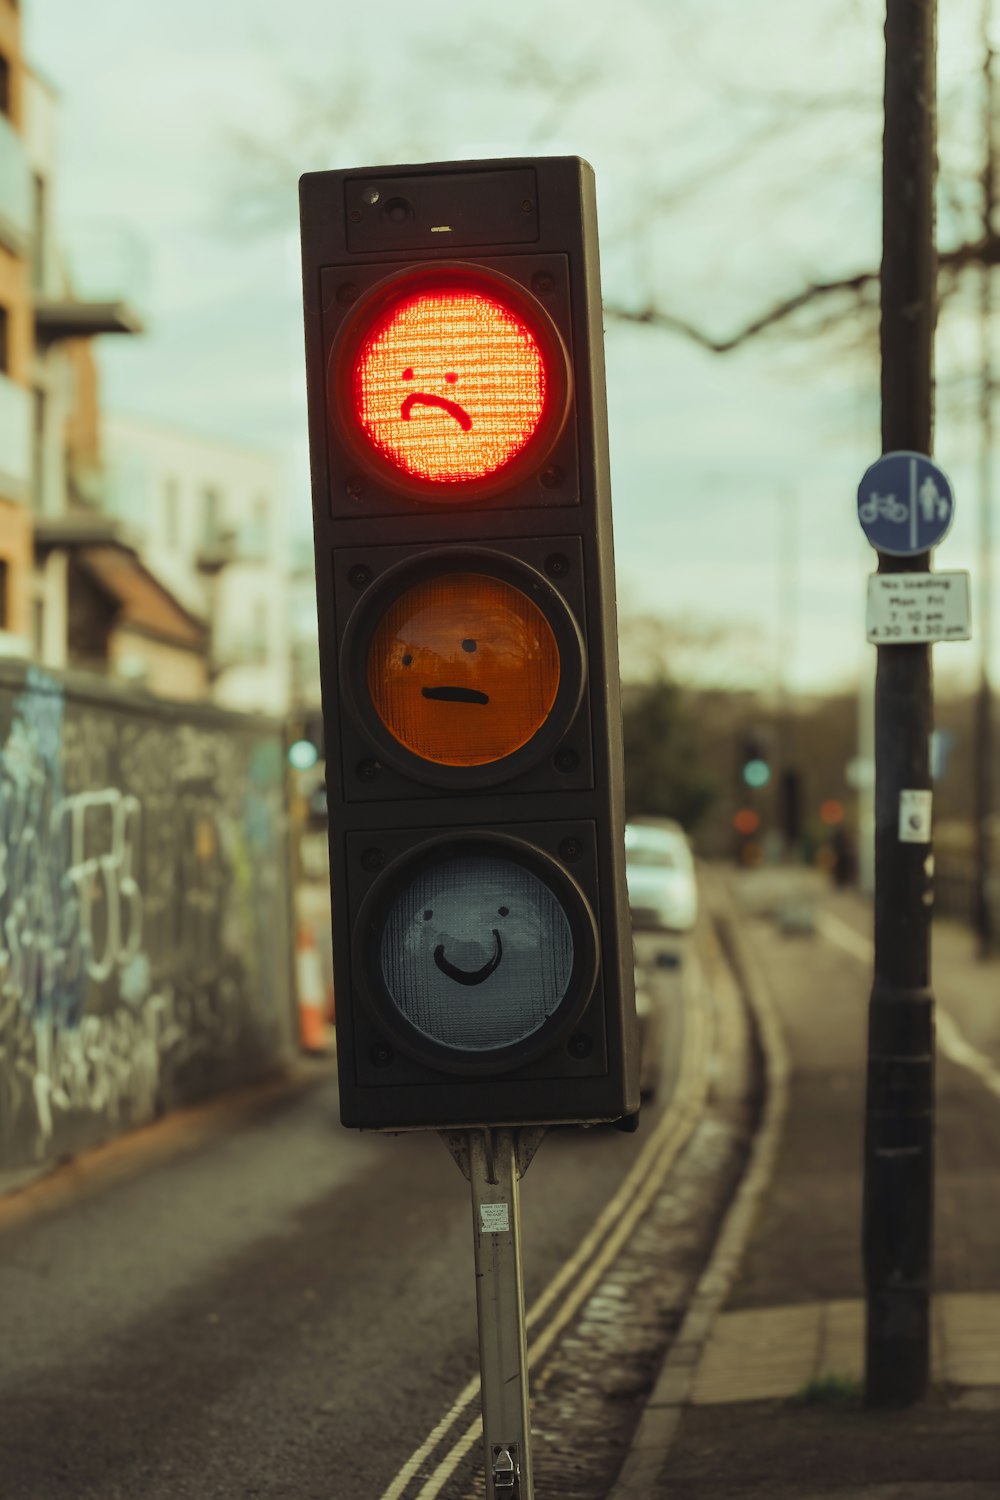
<point>746,821</point>
<point>449,379</point>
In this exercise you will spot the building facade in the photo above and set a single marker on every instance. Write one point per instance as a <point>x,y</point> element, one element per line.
<point>16,340</point>
<point>205,515</point>
<point>126,548</point>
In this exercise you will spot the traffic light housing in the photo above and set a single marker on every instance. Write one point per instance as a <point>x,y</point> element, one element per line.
<point>468,644</point>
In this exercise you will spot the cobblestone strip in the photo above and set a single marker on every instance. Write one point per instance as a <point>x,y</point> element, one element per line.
<point>657,1427</point>
<point>589,1389</point>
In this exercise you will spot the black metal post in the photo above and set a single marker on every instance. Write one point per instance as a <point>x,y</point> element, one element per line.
<point>983,913</point>
<point>899,1127</point>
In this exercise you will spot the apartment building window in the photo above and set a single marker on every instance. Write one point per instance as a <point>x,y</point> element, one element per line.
<point>4,592</point>
<point>211,515</point>
<point>39,466</point>
<point>4,85</point>
<point>172,512</point>
<point>257,535</point>
<point>4,340</point>
<point>41,207</point>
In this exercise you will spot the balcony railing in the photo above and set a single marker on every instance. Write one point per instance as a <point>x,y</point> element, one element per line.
<point>15,440</point>
<point>106,260</point>
<point>100,284</point>
<point>15,191</point>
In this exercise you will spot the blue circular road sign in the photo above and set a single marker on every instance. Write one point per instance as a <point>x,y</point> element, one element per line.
<point>905,504</point>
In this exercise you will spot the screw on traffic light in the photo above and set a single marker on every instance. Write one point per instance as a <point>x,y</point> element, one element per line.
<point>468,644</point>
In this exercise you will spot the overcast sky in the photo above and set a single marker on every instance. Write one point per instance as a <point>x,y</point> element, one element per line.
<point>737,150</point>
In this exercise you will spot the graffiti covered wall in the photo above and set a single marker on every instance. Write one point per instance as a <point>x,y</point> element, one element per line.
<point>145,939</point>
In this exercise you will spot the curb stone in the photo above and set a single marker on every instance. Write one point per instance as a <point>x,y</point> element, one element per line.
<point>672,1392</point>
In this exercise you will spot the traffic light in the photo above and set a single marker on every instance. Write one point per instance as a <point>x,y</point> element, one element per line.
<point>306,747</point>
<point>755,768</point>
<point>791,807</point>
<point>468,644</point>
<point>747,848</point>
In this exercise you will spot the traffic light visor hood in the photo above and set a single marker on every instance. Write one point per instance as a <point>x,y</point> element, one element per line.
<point>449,380</point>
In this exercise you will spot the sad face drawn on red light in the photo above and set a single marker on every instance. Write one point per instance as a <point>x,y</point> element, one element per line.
<point>436,342</point>
<point>424,398</point>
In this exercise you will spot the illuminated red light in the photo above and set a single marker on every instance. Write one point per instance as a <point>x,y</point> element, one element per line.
<point>449,385</point>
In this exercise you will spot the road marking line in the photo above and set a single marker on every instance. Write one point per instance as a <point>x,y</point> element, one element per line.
<point>839,933</point>
<point>688,1113</point>
<point>613,1226</point>
<point>949,1036</point>
<point>953,1045</point>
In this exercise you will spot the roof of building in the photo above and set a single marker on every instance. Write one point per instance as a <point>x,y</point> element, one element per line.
<point>145,603</point>
<point>96,544</point>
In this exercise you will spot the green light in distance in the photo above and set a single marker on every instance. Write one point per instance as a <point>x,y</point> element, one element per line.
<point>303,755</point>
<point>756,773</point>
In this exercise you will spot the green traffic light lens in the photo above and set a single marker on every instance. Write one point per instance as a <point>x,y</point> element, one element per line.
<point>303,755</point>
<point>756,773</point>
<point>476,953</point>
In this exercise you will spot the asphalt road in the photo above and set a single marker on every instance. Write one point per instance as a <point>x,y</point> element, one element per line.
<point>821,981</point>
<point>285,1309</point>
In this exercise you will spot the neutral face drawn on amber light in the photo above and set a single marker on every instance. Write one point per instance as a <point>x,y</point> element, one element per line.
<point>463,669</point>
<point>450,385</point>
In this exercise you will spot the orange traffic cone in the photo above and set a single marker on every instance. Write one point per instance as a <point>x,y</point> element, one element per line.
<point>312,1001</point>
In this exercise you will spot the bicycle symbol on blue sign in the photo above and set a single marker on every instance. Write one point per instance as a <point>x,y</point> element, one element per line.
<point>905,504</point>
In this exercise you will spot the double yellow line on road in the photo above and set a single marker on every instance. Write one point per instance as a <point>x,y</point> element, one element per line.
<point>575,1281</point>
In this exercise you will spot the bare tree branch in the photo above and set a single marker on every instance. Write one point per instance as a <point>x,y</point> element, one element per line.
<point>950,262</point>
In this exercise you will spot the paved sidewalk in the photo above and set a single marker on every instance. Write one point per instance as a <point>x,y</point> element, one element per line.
<point>774,1404</point>
<point>767,1352</point>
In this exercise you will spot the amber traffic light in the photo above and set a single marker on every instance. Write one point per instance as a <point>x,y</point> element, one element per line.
<point>463,669</point>
<point>468,644</point>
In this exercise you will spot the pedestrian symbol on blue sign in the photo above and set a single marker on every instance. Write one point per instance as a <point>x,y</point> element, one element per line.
<point>905,504</point>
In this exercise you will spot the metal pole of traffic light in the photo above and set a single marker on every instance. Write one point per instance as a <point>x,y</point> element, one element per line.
<point>494,1161</point>
<point>898,1188</point>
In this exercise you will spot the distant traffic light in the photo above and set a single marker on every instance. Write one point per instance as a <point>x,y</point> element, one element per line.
<point>791,807</point>
<point>468,644</point>
<point>755,769</point>
<point>746,822</point>
<point>306,748</point>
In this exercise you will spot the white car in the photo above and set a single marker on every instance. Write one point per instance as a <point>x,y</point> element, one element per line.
<point>649,1015</point>
<point>659,869</point>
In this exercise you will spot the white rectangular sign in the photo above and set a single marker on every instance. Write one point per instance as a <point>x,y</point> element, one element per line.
<point>915,817</point>
<point>908,607</point>
<point>494,1218</point>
